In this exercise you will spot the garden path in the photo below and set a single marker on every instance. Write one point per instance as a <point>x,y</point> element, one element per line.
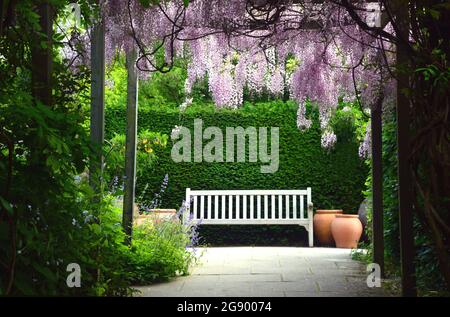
<point>271,272</point>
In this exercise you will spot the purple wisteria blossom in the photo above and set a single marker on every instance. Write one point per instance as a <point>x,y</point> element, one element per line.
<point>365,148</point>
<point>328,140</point>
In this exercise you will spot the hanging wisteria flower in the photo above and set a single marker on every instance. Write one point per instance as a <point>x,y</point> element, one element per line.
<point>365,148</point>
<point>328,140</point>
<point>109,83</point>
<point>187,102</point>
<point>175,132</point>
<point>302,121</point>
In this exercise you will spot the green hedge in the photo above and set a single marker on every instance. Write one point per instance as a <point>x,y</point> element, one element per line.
<point>336,177</point>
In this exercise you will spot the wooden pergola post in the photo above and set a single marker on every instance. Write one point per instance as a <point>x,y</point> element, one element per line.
<point>406,216</point>
<point>97,124</point>
<point>376,124</point>
<point>377,187</point>
<point>130,147</point>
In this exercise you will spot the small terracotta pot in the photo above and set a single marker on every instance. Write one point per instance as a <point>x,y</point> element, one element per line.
<point>322,225</point>
<point>346,231</point>
<point>157,216</point>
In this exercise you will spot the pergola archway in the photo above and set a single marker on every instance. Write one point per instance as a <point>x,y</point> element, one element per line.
<point>405,207</point>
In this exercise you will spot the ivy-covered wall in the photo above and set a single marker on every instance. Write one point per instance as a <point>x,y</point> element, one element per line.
<point>336,177</point>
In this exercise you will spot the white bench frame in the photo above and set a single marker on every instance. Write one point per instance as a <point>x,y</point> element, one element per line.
<point>235,203</point>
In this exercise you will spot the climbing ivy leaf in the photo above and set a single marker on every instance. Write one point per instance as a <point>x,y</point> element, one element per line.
<point>6,205</point>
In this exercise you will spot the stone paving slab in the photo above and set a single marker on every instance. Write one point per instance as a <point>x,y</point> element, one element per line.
<point>270,272</point>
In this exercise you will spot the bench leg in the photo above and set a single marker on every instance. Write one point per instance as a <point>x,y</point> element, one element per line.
<point>310,236</point>
<point>310,219</point>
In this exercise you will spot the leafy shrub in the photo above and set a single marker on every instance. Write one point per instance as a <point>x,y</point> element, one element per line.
<point>160,89</point>
<point>160,251</point>
<point>147,144</point>
<point>106,254</point>
<point>49,215</point>
<point>44,201</point>
<point>349,122</point>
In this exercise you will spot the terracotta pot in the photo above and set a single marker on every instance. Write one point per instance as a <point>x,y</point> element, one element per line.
<point>346,231</point>
<point>322,225</point>
<point>165,214</point>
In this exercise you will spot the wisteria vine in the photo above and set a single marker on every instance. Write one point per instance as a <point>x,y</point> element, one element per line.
<point>247,44</point>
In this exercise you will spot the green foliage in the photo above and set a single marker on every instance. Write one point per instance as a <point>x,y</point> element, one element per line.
<point>104,254</point>
<point>49,214</point>
<point>200,91</point>
<point>427,270</point>
<point>159,251</point>
<point>291,64</point>
<point>165,88</point>
<point>162,90</point>
<point>116,83</point>
<point>349,122</point>
<point>434,74</point>
<point>47,201</point>
<point>146,145</point>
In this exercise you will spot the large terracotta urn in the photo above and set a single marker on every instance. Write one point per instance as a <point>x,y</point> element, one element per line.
<point>322,225</point>
<point>346,231</point>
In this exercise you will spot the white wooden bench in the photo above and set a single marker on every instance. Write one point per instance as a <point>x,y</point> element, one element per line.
<point>250,207</point>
